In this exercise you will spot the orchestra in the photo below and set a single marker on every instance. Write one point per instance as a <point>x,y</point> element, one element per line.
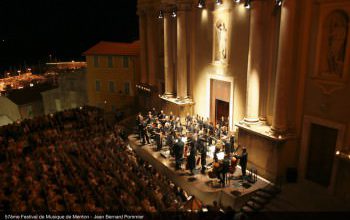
<point>197,136</point>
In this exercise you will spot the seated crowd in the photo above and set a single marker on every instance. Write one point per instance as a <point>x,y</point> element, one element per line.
<point>76,161</point>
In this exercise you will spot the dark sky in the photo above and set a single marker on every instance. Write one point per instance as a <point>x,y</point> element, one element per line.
<point>33,29</point>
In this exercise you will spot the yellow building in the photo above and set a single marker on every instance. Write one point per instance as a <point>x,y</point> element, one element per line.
<point>112,73</point>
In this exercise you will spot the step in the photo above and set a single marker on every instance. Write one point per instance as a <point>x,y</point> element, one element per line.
<point>259,200</point>
<point>271,190</point>
<point>254,205</point>
<point>247,209</point>
<point>264,195</point>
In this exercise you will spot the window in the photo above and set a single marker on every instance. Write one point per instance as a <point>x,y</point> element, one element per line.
<point>110,61</point>
<point>98,85</point>
<point>95,61</point>
<point>111,86</point>
<point>127,88</point>
<point>125,62</point>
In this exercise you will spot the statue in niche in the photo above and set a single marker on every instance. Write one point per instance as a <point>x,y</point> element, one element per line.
<point>336,31</point>
<point>221,41</point>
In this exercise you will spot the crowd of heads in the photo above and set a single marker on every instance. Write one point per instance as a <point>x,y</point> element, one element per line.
<point>76,161</point>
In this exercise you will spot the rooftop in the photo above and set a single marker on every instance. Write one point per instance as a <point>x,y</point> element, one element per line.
<point>114,48</point>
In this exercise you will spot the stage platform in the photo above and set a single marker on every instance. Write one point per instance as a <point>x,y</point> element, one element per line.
<point>234,194</point>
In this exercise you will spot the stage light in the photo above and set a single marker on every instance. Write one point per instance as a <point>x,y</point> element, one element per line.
<point>278,2</point>
<point>247,4</point>
<point>337,153</point>
<point>237,1</point>
<point>173,14</point>
<point>201,4</point>
<point>218,2</point>
<point>161,15</point>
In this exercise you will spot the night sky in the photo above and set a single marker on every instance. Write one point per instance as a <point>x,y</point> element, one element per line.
<point>31,30</point>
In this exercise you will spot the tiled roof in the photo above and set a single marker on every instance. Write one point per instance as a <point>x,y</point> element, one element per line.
<point>114,48</point>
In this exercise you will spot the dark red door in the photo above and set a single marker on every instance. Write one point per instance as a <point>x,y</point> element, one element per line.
<point>222,108</point>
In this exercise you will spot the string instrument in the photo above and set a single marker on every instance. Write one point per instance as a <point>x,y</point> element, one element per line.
<point>216,169</point>
<point>233,165</point>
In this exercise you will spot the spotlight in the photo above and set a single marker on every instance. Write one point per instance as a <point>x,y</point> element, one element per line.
<point>337,153</point>
<point>247,4</point>
<point>218,2</point>
<point>173,14</point>
<point>161,15</point>
<point>278,2</point>
<point>201,4</point>
<point>237,1</point>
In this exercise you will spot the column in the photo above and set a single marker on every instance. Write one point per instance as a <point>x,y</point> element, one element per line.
<point>143,47</point>
<point>284,66</point>
<point>151,47</point>
<point>181,54</point>
<point>255,62</point>
<point>168,56</point>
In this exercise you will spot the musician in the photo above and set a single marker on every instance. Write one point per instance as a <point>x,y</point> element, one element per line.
<point>218,147</point>
<point>188,119</point>
<point>191,160</point>
<point>222,121</point>
<point>161,115</point>
<point>139,120</point>
<point>225,169</point>
<point>232,142</point>
<point>143,134</point>
<point>171,116</point>
<point>154,112</point>
<point>217,131</point>
<point>178,127</point>
<point>224,131</point>
<point>243,160</point>
<point>227,145</point>
<point>178,150</point>
<point>201,146</point>
<point>170,141</point>
<point>158,136</point>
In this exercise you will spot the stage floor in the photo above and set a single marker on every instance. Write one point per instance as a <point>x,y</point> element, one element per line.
<point>234,194</point>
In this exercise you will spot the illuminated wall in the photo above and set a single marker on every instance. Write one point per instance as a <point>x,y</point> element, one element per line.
<point>233,67</point>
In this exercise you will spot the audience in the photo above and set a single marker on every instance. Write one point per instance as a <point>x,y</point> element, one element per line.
<point>76,161</point>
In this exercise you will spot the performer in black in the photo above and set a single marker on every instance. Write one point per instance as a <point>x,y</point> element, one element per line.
<point>143,134</point>
<point>158,137</point>
<point>225,169</point>
<point>201,144</point>
<point>243,160</point>
<point>139,119</point>
<point>232,142</point>
<point>227,146</point>
<point>191,159</point>
<point>170,141</point>
<point>178,150</point>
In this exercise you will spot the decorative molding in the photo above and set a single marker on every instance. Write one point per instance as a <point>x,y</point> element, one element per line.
<point>328,87</point>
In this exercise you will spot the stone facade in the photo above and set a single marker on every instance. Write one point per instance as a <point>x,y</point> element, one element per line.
<point>287,67</point>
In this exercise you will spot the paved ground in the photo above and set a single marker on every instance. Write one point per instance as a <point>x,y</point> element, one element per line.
<point>306,196</point>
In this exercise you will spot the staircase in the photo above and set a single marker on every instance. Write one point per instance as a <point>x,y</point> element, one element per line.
<point>262,200</point>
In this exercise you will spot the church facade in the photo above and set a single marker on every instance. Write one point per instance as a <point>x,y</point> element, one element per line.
<point>277,69</point>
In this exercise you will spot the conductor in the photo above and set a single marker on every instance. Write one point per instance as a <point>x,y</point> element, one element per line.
<point>243,159</point>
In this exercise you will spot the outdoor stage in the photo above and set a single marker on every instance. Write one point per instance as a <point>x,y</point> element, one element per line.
<point>234,194</point>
